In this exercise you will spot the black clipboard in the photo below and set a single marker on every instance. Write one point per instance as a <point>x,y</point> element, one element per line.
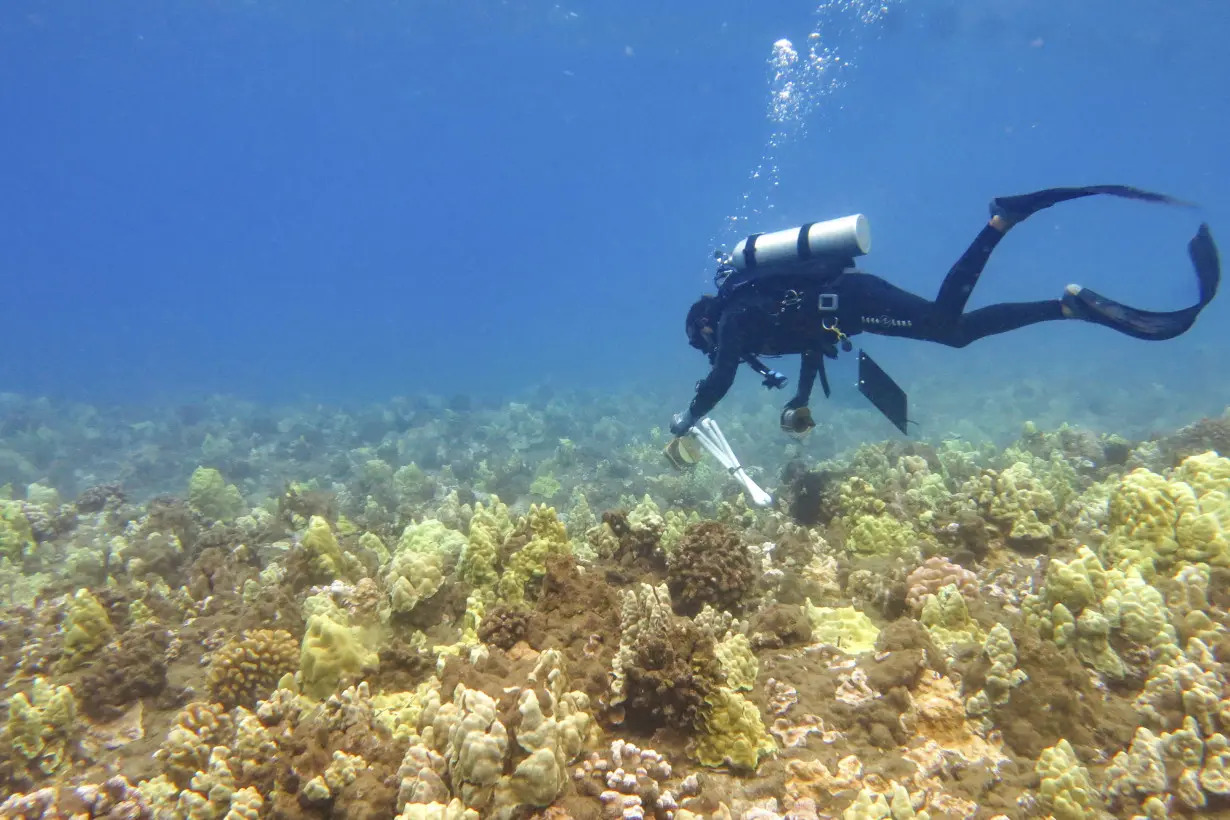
<point>882,391</point>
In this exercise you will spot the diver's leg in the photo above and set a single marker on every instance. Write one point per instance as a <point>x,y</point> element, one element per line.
<point>1000,318</point>
<point>875,305</point>
<point>959,282</point>
<point>1006,212</point>
<point>871,304</point>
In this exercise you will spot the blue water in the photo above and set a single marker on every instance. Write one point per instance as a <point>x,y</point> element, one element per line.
<point>349,201</point>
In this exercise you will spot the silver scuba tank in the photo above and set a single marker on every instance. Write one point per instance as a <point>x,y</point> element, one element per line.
<point>833,240</point>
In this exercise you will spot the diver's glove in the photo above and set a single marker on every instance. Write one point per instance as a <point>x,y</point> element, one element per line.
<point>682,423</point>
<point>775,380</point>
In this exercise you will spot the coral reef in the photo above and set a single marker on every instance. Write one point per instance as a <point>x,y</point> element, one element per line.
<point>537,626</point>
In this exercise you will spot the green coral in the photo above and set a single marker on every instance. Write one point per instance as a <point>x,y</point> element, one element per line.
<point>545,486</point>
<point>947,618</point>
<point>40,726</point>
<point>330,654</point>
<point>734,734</point>
<point>16,535</point>
<point>210,495</point>
<point>738,662</point>
<point>1066,791</point>
<point>87,628</point>
<point>547,537</point>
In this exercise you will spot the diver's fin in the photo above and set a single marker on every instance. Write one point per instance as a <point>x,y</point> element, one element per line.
<point>1083,303</point>
<point>1090,306</point>
<point>1207,262</point>
<point>1015,209</point>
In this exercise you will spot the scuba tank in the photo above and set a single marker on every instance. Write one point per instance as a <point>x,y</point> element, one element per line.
<point>817,247</point>
<point>837,239</point>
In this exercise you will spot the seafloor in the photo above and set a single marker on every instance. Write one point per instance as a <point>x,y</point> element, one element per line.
<point>442,609</point>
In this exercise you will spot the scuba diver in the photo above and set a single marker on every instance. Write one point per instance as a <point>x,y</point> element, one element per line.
<point>796,291</point>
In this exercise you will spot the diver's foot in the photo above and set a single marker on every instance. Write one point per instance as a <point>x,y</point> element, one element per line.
<point>1089,306</point>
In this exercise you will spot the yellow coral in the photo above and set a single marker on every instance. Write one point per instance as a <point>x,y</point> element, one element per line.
<point>86,629</point>
<point>548,537</point>
<point>948,620</point>
<point>846,628</point>
<point>331,653</point>
<point>321,545</point>
<point>476,566</point>
<point>1066,791</point>
<point>209,494</point>
<point>734,652</point>
<point>40,727</point>
<point>870,528</point>
<point>734,734</point>
<point>1156,521</point>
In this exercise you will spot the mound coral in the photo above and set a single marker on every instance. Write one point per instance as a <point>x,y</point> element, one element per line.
<point>710,566</point>
<point>250,666</point>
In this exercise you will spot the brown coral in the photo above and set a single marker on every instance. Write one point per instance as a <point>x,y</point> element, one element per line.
<point>638,545</point>
<point>137,669</point>
<point>710,566</point>
<point>100,496</point>
<point>811,496</point>
<point>671,674</point>
<point>780,625</point>
<point>198,728</point>
<point>1198,437</point>
<point>503,626</point>
<point>249,666</point>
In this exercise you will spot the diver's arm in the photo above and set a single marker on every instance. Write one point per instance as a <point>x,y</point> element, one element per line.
<point>809,368</point>
<point>729,353</point>
<point>772,379</point>
<point>757,365</point>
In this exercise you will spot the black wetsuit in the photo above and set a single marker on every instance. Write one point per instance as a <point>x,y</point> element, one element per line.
<point>810,315</point>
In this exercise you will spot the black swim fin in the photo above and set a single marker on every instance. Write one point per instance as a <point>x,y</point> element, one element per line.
<point>1083,303</point>
<point>1018,208</point>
